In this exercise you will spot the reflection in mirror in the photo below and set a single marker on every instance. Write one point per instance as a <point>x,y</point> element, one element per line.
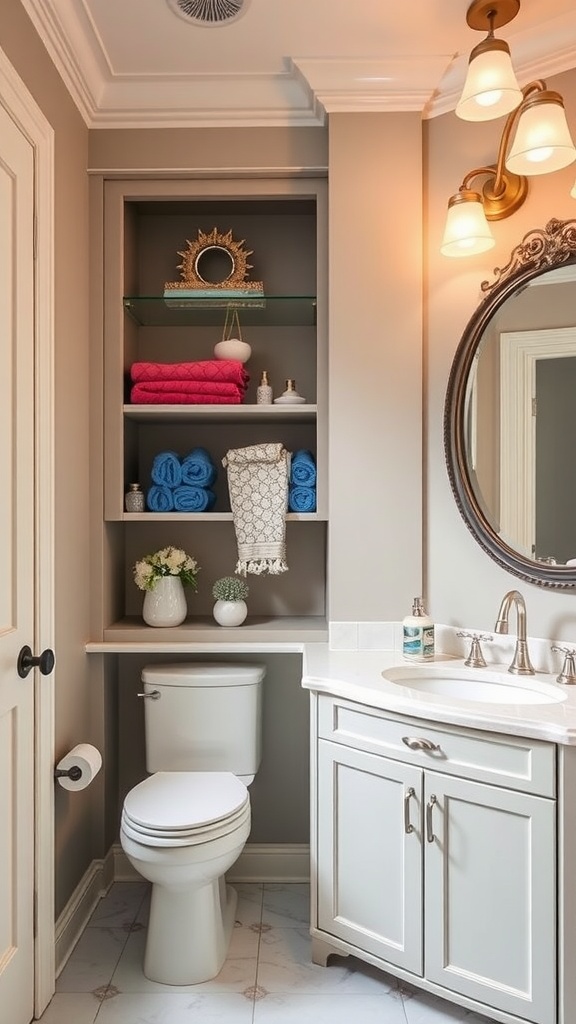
<point>214,264</point>
<point>510,417</point>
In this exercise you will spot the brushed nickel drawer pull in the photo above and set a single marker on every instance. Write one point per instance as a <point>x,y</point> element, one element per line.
<point>429,808</point>
<point>420,743</point>
<point>408,827</point>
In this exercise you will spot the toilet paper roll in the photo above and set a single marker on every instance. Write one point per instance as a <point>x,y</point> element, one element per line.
<point>84,757</point>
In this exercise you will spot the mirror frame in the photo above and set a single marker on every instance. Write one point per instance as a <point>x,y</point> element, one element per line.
<point>539,251</point>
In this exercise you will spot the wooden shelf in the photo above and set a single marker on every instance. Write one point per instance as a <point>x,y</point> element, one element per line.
<point>132,634</point>
<point>209,517</point>
<point>303,413</point>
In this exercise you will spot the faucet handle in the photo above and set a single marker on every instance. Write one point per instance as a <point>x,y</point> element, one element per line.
<point>568,673</point>
<point>476,658</point>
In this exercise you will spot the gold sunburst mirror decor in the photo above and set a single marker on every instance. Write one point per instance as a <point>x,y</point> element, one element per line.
<point>214,264</point>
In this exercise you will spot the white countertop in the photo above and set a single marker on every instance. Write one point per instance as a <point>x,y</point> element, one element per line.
<point>357,676</point>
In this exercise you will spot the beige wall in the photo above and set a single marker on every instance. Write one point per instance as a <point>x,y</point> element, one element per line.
<point>375,365</point>
<point>464,585</point>
<point>79,710</point>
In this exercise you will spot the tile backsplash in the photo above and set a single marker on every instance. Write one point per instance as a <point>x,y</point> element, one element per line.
<point>498,649</point>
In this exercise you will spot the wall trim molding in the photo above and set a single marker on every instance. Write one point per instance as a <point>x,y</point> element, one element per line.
<point>72,921</point>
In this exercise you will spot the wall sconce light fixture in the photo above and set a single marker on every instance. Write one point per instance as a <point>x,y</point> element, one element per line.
<point>541,142</point>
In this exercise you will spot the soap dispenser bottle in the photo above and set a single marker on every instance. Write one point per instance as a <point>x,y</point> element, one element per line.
<point>418,634</point>
<point>264,390</point>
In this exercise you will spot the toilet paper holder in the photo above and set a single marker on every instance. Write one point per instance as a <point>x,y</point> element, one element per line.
<point>79,767</point>
<point>74,773</point>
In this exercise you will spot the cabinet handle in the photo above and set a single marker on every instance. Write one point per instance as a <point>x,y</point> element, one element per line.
<point>419,743</point>
<point>408,827</point>
<point>429,808</point>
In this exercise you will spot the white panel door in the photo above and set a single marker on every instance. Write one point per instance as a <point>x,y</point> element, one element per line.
<point>370,853</point>
<point>491,895</point>
<point>17,575</point>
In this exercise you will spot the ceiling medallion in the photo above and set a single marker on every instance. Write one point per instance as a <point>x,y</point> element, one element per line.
<point>209,12</point>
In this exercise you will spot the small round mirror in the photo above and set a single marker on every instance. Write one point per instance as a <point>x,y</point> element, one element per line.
<point>214,264</point>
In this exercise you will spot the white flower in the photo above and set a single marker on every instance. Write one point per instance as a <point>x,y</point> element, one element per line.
<point>168,561</point>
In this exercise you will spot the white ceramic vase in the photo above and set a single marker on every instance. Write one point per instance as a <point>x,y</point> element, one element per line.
<point>165,605</point>
<point>230,613</point>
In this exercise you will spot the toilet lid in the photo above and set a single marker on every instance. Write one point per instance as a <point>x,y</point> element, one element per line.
<point>184,801</point>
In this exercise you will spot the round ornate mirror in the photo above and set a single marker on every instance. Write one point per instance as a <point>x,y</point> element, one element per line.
<point>510,412</point>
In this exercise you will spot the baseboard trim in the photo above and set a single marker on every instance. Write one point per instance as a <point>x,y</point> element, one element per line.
<point>72,921</point>
<point>265,862</point>
<point>272,862</point>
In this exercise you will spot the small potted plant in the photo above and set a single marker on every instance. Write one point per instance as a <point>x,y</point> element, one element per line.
<point>163,576</point>
<point>230,593</point>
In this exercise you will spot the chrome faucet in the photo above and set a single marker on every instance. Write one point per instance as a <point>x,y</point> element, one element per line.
<point>521,664</point>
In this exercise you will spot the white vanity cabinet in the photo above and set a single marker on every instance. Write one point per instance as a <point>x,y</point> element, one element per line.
<point>434,854</point>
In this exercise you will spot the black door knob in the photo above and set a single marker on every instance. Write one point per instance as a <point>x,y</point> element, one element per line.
<point>26,662</point>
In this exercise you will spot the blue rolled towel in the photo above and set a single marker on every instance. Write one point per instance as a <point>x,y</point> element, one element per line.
<point>167,469</point>
<point>189,498</point>
<point>303,468</point>
<point>198,468</point>
<point>302,499</point>
<point>159,499</point>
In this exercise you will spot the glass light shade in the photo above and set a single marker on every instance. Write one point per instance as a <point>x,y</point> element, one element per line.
<point>542,142</point>
<point>467,231</point>
<point>490,89</point>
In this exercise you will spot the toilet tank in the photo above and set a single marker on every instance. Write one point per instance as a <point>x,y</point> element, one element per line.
<point>208,717</point>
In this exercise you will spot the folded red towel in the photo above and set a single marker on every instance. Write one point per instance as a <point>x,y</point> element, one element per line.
<point>230,371</point>
<point>181,392</point>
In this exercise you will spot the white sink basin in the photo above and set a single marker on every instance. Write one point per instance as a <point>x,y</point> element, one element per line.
<point>475,684</point>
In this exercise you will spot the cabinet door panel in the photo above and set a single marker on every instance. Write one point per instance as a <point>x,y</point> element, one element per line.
<point>370,853</point>
<point>490,896</point>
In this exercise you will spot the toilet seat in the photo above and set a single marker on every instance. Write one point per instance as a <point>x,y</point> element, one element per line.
<point>185,808</point>
<point>203,838</point>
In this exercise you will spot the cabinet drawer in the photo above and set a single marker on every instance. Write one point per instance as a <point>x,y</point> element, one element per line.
<point>511,761</point>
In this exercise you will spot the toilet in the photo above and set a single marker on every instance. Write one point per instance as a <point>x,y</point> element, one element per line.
<point>186,824</point>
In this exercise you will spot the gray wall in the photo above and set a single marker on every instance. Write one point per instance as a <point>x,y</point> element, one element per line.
<point>279,793</point>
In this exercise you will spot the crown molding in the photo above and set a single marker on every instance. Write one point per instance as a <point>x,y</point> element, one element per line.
<point>302,95</point>
<point>356,85</point>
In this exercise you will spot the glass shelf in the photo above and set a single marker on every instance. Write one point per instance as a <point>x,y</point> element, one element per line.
<point>260,311</point>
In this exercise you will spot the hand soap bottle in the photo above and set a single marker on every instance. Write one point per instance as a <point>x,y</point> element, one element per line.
<point>418,634</point>
<point>264,390</point>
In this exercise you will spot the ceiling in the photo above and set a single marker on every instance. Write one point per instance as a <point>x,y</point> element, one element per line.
<point>137,63</point>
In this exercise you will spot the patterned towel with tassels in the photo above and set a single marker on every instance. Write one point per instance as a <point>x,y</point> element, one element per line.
<point>258,486</point>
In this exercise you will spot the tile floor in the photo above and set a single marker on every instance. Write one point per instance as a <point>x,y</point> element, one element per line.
<point>268,977</point>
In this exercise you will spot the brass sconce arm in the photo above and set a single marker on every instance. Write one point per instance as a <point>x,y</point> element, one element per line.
<point>535,138</point>
<point>504,191</point>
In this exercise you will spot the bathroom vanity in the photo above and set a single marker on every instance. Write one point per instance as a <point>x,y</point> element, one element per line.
<point>443,842</point>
